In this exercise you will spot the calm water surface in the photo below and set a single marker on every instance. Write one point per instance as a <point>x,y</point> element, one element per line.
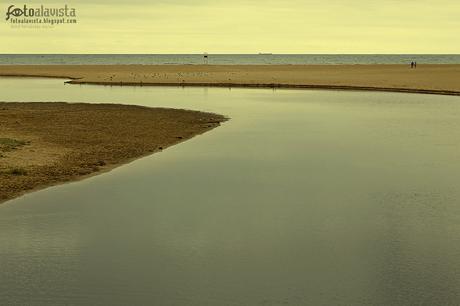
<point>303,198</point>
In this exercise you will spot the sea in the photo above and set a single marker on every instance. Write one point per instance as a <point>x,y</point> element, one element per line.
<point>226,59</point>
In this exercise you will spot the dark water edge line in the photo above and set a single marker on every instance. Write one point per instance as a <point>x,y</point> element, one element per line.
<point>275,86</point>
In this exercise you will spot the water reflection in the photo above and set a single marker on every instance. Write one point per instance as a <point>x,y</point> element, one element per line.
<point>303,198</point>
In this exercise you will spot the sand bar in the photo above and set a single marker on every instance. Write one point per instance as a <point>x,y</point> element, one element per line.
<point>434,79</point>
<point>43,144</point>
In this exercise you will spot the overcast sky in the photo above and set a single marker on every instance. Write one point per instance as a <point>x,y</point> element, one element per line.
<point>251,26</point>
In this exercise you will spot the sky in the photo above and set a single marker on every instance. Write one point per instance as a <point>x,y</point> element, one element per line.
<point>237,26</point>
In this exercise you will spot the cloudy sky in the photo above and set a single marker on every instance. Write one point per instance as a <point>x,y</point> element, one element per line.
<point>249,26</point>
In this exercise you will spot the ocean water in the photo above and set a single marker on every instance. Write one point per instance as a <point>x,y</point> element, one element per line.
<point>225,59</point>
<point>304,197</point>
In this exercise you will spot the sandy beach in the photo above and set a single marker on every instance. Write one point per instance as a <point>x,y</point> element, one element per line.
<point>44,144</point>
<point>434,79</point>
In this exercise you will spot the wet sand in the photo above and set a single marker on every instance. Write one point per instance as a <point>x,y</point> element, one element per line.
<point>44,144</point>
<point>432,79</point>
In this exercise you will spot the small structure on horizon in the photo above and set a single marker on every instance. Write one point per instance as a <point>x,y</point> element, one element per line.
<point>205,58</point>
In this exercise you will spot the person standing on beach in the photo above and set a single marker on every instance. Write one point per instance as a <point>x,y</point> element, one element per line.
<point>412,65</point>
<point>415,65</point>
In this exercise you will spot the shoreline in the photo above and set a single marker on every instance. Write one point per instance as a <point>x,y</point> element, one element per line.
<point>246,77</point>
<point>277,86</point>
<point>426,79</point>
<point>87,141</point>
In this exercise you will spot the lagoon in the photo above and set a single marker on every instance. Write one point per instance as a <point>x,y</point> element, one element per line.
<point>305,197</point>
